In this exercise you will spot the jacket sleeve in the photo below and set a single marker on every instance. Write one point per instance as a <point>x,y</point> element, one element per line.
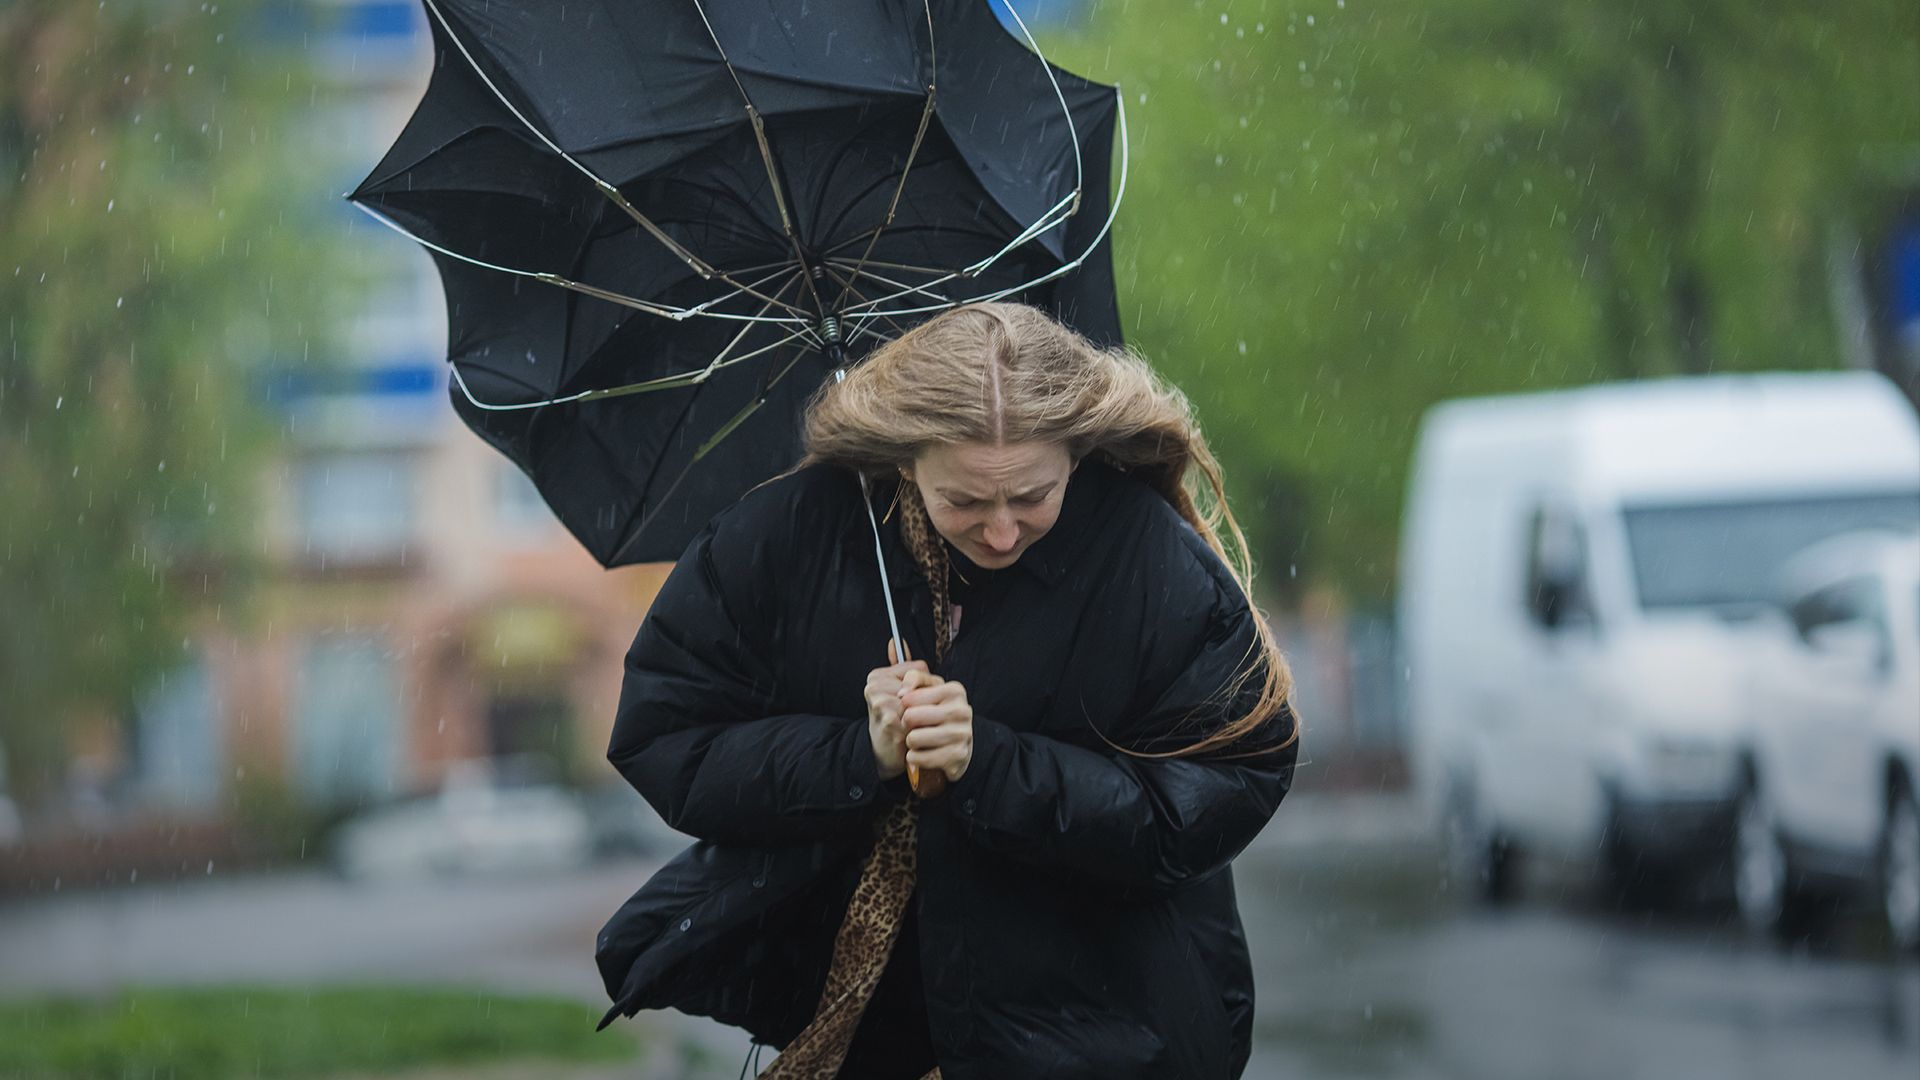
<point>1134,822</point>
<point>695,731</point>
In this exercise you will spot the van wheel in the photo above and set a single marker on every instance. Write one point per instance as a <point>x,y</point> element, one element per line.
<point>1759,862</point>
<point>1899,867</point>
<point>1480,863</point>
<point>1631,883</point>
<point>1764,891</point>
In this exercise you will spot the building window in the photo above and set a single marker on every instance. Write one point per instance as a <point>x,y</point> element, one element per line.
<point>177,738</point>
<point>347,729</point>
<point>356,506</point>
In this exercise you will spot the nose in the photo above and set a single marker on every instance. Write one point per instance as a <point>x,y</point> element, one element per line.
<point>1002,533</point>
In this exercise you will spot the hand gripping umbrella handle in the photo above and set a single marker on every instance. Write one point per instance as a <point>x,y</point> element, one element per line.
<point>931,784</point>
<point>925,785</point>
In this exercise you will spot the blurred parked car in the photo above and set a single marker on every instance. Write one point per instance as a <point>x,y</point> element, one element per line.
<point>1581,572</point>
<point>1828,806</point>
<point>486,817</point>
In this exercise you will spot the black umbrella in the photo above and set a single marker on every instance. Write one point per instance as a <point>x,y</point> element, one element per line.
<point>661,223</point>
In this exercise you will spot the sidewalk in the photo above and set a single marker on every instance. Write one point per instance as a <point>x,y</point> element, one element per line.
<point>1385,825</point>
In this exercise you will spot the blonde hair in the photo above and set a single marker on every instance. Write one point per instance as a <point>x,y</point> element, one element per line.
<point>1004,373</point>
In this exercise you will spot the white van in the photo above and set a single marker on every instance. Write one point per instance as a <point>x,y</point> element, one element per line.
<point>1577,572</point>
<point>1832,809</point>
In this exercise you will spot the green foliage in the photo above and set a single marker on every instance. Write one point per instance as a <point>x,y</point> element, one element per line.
<point>156,257</point>
<point>260,1032</point>
<point>1342,211</point>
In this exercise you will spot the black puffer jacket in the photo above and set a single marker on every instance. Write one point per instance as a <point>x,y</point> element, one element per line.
<point>1076,913</point>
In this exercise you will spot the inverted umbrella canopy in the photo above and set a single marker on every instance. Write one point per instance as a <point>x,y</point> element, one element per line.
<point>660,224</point>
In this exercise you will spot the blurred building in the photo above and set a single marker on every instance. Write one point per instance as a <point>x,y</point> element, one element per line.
<point>423,604</point>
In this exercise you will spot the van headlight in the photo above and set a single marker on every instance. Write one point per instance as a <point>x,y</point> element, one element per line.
<point>1697,767</point>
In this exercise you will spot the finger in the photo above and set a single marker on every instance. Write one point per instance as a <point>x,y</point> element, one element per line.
<point>936,760</point>
<point>893,654</point>
<point>934,694</point>
<point>932,738</point>
<point>918,678</point>
<point>920,716</point>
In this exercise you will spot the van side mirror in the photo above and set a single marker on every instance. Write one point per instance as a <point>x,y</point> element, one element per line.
<point>1853,646</point>
<point>1556,593</point>
<point>1556,602</point>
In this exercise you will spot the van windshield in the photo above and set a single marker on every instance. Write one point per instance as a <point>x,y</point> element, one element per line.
<point>1713,554</point>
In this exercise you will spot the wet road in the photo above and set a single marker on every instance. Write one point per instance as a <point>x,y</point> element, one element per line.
<point>1365,968</point>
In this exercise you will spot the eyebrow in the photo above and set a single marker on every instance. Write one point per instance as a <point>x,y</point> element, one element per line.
<point>1038,489</point>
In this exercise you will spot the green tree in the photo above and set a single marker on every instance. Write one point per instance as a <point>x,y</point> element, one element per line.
<point>1343,211</point>
<point>155,254</point>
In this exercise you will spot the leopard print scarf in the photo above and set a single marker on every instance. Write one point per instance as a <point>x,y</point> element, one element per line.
<point>880,898</point>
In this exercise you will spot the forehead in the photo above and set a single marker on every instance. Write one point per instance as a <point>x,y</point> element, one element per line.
<point>985,466</point>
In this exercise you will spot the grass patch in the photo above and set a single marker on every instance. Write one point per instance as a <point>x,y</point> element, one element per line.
<point>234,1032</point>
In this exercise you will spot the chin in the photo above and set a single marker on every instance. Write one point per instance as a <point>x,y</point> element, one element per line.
<point>994,562</point>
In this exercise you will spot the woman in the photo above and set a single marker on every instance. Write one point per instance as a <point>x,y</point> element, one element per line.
<point>1107,711</point>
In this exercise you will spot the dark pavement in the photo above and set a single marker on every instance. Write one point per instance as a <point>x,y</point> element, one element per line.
<point>1365,967</point>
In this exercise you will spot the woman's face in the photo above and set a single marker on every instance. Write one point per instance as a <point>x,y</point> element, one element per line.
<point>992,502</point>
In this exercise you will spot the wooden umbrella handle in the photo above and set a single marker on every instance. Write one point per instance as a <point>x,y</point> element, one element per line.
<point>930,784</point>
<point>926,785</point>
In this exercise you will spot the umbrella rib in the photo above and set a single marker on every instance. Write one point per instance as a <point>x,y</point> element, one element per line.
<point>1055,215</point>
<point>846,287</point>
<point>895,284</point>
<point>883,264</point>
<point>700,266</point>
<point>763,266</point>
<point>926,117</point>
<point>724,297</point>
<point>663,382</point>
<point>1052,218</point>
<point>722,432</point>
<point>1067,268</point>
<point>766,155</point>
<point>862,327</point>
<point>1073,137</point>
<point>893,206</point>
<point>662,310</point>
